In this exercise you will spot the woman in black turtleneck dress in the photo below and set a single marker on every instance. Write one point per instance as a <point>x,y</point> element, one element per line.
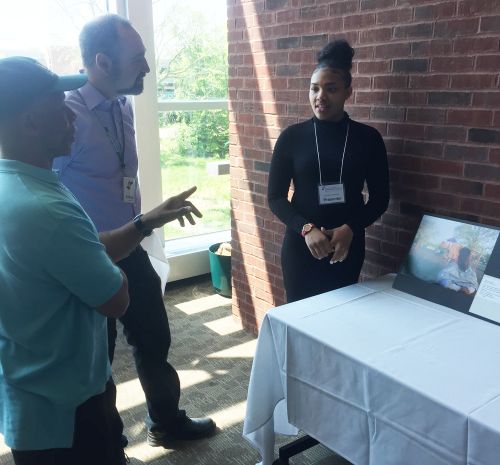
<point>328,158</point>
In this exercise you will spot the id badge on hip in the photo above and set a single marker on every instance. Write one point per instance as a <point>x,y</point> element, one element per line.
<point>129,185</point>
<point>331,193</point>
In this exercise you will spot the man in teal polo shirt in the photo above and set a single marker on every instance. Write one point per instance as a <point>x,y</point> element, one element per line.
<point>58,283</point>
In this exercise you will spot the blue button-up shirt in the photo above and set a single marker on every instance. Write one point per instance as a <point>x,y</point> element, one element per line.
<point>93,171</point>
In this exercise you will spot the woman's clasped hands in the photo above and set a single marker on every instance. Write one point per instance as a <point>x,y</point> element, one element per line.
<point>335,242</point>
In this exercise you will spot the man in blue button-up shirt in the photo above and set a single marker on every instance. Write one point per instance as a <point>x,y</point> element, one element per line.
<point>102,173</point>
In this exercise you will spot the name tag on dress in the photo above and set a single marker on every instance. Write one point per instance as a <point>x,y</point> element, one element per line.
<point>129,189</point>
<point>331,193</point>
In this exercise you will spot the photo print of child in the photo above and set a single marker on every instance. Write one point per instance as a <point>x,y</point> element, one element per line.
<point>447,261</point>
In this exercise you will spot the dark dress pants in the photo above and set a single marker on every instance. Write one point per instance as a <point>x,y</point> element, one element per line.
<point>96,439</point>
<point>146,328</point>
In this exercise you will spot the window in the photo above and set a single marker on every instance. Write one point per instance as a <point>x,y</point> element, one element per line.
<point>191,71</point>
<point>47,30</point>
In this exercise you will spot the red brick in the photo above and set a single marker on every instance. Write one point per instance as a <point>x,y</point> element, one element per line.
<point>420,181</point>
<point>390,82</point>
<point>492,191</point>
<point>473,81</point>
<point>496,119</point>
<point>377,4</point>
<point>490,23</point>
<point>465,152</point>
<point>482,172</point>
<point>304,27</point>
<point>437,200</point>
<point>481,207</point>
<point>431,47</point>
<point>432,81</point>
<point>366,52</point>
<point>370,36</point>
<point>486,99</point>
<point>426,115</point>
<point>423,148</point>
<point>468,45</point>
<point>443,167</point>
<point>371,97</point>
<point>435,12</point>
<point>328,25</point>
<point>456,28</point>
<point>400,50</point>
<point>340,8</point>
<point>413,30</point>
<point>473,7</point>
<point>488,63</point>
<point>395,16</point>
<point>361,82</point>
<point>313,12</point>
<point>470,117</point>
<point>359,112</point>
<point>461,186</point>
<point>287,16</point>
<point>359,21</point>
<point>408,98</point>
<point>411,131</point>
<point>452,64</point>
<point>373,67</point>
<point>405,163</point>
<point>495,156</point>
<point>446,133</point>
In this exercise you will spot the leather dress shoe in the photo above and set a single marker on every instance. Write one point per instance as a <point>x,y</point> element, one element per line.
<point>187,429</point>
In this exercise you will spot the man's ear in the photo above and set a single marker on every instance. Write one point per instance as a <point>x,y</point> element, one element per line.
<point>349,92</point>
<point>103,63</point>
<point>28,123</point>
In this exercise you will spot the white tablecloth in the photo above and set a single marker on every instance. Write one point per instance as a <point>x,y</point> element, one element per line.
<point>378,376</point>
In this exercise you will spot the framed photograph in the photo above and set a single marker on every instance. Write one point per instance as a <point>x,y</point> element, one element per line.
<point>456,264</point>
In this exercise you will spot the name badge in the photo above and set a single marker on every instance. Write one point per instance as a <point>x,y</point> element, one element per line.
<point>129,189</point>
<point>331,193</point>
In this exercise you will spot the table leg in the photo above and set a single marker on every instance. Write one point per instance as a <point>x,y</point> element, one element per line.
<point>294,448</point>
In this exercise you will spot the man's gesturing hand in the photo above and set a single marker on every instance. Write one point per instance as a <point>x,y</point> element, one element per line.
<point>174,208</point>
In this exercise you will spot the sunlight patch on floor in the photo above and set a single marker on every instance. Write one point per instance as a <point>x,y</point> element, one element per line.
<point>229,416</point>
<point>203,304</point>
<point>245,350</point>
<point>224,326</point>
<point>129,394</point>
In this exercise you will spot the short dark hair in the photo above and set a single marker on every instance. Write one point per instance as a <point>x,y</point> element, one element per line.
<point>101,36</point>
<point>337,55</point>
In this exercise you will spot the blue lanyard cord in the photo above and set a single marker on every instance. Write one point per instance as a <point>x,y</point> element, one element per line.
<point>114,141</point>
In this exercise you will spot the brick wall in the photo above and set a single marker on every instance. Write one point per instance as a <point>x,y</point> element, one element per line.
<point>426,75</point>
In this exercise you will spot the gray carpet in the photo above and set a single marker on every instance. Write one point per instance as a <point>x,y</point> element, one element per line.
<point>213,357</point>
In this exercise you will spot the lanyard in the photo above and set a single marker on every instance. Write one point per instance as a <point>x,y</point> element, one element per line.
<point>343,153</point>
<point>114,141</point>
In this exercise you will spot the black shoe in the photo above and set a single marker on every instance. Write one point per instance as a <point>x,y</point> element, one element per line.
<point>188,429</point>
<point>123,441</point>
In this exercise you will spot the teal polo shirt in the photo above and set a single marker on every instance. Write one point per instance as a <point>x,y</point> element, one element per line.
<point>54,273</point>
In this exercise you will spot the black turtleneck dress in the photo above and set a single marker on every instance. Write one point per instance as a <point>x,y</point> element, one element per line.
<point>295,160</point>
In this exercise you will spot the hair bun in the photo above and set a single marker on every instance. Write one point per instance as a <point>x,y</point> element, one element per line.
<point>337,54</point>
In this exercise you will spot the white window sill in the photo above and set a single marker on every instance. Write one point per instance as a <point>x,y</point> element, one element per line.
<point>189,256</point>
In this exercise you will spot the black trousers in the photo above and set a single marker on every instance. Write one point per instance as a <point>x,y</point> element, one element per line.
<point>146,328</point>
<point>96,439</point>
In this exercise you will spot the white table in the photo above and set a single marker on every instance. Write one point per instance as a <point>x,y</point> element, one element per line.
<point>378,376</point>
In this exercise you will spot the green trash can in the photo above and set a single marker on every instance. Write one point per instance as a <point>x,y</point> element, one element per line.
<point>220,270</point>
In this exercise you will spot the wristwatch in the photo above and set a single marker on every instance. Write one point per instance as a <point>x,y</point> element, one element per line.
<point>306,229</point>
<point>140,226</point>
